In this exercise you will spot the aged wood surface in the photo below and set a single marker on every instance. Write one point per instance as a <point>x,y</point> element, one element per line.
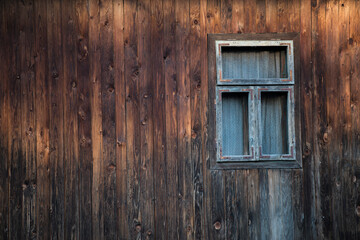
<point>107,122</point>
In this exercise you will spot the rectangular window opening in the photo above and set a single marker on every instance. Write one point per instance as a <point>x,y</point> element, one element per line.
<point>235,123</point>
<point>274,123</point>
<point>244,62</point>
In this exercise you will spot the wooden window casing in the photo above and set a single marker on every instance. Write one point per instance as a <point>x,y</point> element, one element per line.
<point>243,69</point>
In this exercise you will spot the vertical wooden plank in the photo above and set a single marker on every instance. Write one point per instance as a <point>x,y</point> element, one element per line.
<point>307,113</point>
<point>17,168</point>
<point>237,21</point>
<point>320,135</point>
<point>42,107</point>
<point>287,219</point>
<point>332,92</point>
<point>241,214</point>
<point>275,223</point>
<point>204,114</point>
<point>231,210</point>
<point>185,170</point>
<point>108,118</point>
<point>264,204</point>
<point>132,113</point>
<point>160,163</point>
<point>195,86</point>
<point>171,117</point>
<point>261,16</point>
<point>84,120</point>
<point>347,190</point>
<point>354,42</point>
<point>253,204</point>
<point>97,204</point>
<point>283,15</point>
<point>271,15</point>
<point>146,167</point>
<point>69,102</point>
<point>26,49</point>
<point>226,15</point>
<point>4,124</point>
<point>249,16</point>
<point>120,97</point>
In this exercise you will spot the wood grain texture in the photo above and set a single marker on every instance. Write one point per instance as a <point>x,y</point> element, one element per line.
<point>132,115</point>
<point>120,114</point>
<point>146,166</point>
<point>171,118</point>
<point>97,215</point>
<point>4,129</point>
<point>107,122</point>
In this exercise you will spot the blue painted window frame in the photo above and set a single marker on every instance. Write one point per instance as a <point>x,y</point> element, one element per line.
<point>254,88</point>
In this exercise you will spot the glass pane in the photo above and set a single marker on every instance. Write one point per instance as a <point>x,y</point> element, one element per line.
<point>235,125</point>
<point>274,123</point>
<point>254,62</point>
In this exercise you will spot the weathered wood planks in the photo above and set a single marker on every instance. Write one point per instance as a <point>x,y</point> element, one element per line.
<point>105,130</point>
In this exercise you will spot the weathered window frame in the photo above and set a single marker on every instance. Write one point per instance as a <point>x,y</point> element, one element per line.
<point>254,88</point>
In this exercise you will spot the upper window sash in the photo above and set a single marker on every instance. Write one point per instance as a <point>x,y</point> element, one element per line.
<point>220,46</point>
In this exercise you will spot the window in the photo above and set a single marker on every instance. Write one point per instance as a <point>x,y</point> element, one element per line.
<point>253,85</point>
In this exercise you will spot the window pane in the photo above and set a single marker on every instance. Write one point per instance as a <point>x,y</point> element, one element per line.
<point>274,123</point>
<point>235,125</point>
<point>254,62</point>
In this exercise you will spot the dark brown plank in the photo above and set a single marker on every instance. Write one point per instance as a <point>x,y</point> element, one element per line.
<point>254,204</point>
<point>204,112</point>
<point>132,114</point>
<point>97,201</point>
<point>265,217</point>
<point>17,163</point>
<point>185,170</point>
<point>333,170</point>
<point>354,40</point>
<point>108,118</point>
<point>84,120</point>
<point>271,15</point>
<point>249,16</point>
<point>4,125</point>
<point>283,14</point>
<point>69,101</point>
<point>195,98</point>
<point>347,186</point>
<point>42,107</point>
<point>146,166</point>
<point>307,115</point>
<point>171,118</point>
<point>120,89</point>
<point>241,213</point>
<point>320,135</point>
<point>237,21</point>
<point>27,75</point>
<point>160,185</point>
<point>261,16</point>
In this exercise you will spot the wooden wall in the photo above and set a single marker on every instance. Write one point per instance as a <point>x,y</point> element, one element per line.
<point>104,122</point>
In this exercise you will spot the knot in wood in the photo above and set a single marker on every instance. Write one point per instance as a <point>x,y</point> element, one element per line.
<point>138,227</point>
<point>149,232</point>
<point>73,84</point>
<point>358,211</point>
<point>55,74</point>
<point>217,225</point>
<point>325,138</point>
<point>196,21</point>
